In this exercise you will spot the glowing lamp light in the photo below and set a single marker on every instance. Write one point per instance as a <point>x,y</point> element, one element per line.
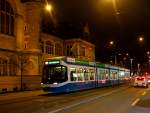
<point>55,83</point>
<point>46,63</point>
<point>141,39</point>
<point>48,7</point>
<point>111,42</point>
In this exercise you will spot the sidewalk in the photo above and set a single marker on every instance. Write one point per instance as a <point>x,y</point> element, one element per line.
<point>23,94</point>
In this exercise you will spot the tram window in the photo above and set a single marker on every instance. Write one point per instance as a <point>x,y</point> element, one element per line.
<point>99,75</point>
<point>91,77</point>
<point>73,74</point>
<point>86,75</point>
<point>107,77</point>
<point>102,73</point>
<point>116,75</point>
<point>107,74</point>
<point>113,75</point>
<point>121,74</point>
<point>91,74</point>
<point>58,69</point>
<point>63,70</point>
<point>54,74</point>
<point>80,75</point>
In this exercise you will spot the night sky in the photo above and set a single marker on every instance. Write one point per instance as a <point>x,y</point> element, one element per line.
<point>123,22</point>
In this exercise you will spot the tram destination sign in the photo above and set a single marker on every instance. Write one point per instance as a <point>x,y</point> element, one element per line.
<point>52,62</point>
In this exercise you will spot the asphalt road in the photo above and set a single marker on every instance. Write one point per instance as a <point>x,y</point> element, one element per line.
<point>118,99</point>
<point>127,101</point>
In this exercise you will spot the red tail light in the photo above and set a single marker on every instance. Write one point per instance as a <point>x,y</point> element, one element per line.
<point>140,78</point>
<point>143,78</point>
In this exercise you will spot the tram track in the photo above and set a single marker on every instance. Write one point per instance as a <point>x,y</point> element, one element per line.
<point>58,97</point>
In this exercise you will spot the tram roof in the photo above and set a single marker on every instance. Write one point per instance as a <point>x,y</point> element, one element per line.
<point>84,62</point>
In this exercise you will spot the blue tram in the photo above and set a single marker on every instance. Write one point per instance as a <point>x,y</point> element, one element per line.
<point>65,74</point>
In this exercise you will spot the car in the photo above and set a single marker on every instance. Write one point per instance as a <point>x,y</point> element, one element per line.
<point>148,76</point>
<point>148,79</point>
<point>141,81</point>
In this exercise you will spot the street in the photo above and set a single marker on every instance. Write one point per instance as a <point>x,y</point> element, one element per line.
<point>116,99</point>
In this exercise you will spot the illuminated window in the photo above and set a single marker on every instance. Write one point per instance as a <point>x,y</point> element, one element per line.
<point>49,47</point>
<point>80,74</point>
<point>69,50</point>
<point>102,74</point>
<point>113,75</point>
<point>73,74</point>
<point>58,49</point>
<point>86,73</point>
<point>91,74</point>
<point>6,18</point>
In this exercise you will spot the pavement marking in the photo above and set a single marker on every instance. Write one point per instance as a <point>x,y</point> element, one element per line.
<point>135,102</point>
<point>144,93</point>
<point>85,101</point>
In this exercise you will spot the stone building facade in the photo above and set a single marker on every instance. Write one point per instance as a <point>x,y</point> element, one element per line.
<point>23,47</point>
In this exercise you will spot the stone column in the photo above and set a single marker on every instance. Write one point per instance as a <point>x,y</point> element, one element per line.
<point>33,25</point>
<point>32,52</point>
<point>19,31</point>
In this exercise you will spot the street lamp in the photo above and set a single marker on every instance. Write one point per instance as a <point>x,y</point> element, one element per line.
<point>48,7</point>
<point>138,68</point>
<point>141,39</point>
<point>111,43</point>
<point>131,61</point>
<point>148,53</point>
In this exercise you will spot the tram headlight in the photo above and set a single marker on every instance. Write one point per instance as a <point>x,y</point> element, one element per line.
<point>41,83</point>
<point>55,83</point>
<point>46,63</point>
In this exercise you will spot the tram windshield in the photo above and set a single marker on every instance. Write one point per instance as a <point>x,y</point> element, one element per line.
<point>54,74</point>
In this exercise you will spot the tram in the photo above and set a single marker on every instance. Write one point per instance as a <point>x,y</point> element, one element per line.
<point>65,74</point>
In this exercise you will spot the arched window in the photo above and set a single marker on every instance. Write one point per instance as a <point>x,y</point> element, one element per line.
<point>3,67</point>
<point>49,47</point>
<point>12,68</point>
<point>7,67</point>
<point>6,18</point>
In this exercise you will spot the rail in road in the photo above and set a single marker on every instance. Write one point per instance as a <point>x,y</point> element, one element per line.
<point>49,103</point>
<point>132,100</point>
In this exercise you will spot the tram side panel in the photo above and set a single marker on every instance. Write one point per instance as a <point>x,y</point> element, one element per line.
<point>103,77</point>
<point>81,77</point>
